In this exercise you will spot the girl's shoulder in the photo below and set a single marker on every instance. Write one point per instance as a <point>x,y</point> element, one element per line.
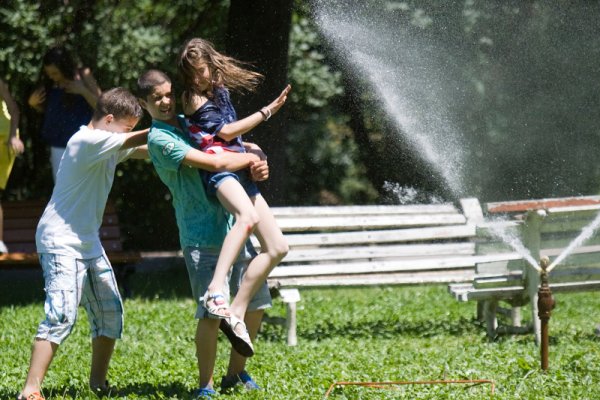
<point>221,96</point>
<point>193,102</point>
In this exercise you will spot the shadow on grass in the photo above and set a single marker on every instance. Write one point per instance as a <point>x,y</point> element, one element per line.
<point>168,280</point>
<point>158,391</point>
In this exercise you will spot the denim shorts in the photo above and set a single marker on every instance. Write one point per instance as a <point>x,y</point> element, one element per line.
<point>69,282</point>
<point>214,179</point>
<point>201,263</point>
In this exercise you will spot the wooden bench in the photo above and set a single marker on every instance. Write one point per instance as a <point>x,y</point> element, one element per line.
<point>20,223</point>
<point>545,228</point>
<point>374,245</point>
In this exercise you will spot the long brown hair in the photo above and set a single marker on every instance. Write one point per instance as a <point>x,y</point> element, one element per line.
<point>224,70</point>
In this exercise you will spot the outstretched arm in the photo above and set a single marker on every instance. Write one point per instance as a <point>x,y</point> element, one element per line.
<point>85,86</point>
<point>140,153</point>
<point>225,161</point>
<point>135,139</point>
<point>237,128</point>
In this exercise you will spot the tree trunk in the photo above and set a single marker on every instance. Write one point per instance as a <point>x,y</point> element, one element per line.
<point>258,33</point>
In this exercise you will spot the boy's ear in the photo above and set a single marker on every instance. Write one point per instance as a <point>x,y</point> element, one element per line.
<point>108,118</point>
<point>143,103</point>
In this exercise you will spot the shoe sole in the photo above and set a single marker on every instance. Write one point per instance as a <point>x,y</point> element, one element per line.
<point>237,343</point>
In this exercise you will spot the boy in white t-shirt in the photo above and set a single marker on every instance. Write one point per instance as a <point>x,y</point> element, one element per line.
<point>75,265</point>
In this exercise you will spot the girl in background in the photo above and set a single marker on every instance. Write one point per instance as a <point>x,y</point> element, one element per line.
<point>67,96</point>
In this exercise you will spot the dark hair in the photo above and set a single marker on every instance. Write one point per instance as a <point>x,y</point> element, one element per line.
<point>120,103</point>
<point>149,80</point>
<point>62,59</point>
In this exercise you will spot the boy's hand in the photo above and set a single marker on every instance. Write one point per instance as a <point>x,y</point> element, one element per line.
<point>259,170</point>
<point>279,101</point>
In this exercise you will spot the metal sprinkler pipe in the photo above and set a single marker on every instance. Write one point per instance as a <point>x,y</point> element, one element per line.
<point>545,305</point>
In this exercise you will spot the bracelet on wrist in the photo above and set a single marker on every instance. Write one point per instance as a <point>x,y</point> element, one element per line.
<point>266,113</point>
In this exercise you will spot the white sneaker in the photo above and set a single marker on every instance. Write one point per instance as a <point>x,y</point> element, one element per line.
<point>3,248</point>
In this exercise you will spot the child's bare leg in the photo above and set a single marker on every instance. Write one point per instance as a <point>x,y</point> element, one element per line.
<point>41,356</point>
<point>273,248</point>
<point>207,332</point>
<point>235,200</point>
<point>102,350</point>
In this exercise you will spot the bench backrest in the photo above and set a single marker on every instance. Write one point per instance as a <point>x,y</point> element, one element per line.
<point>21,219</point>
<point>359,241</point>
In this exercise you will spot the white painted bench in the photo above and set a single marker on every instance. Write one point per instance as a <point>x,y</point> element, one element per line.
<point>373,245</point>
<point>545,227</point>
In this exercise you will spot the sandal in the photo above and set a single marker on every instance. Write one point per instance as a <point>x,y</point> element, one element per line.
<point>239,341</point>
<point>216,304</point>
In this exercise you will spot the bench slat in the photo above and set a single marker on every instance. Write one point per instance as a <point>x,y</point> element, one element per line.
<point>378,252</point>
<point>524,205</point>
<point>311,211</point>
<point>361,223</point>
<point>378,266</point>
<point>379,236</point>
<point>397,278</point>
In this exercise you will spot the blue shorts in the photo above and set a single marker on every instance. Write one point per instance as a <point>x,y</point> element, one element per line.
<point>70,281</point>
<point>214,179</point>
<point>201,263</point>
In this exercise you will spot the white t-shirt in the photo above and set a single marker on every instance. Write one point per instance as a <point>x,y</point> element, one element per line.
<point>71,221</point>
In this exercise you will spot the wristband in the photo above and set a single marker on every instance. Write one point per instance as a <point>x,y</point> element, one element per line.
<point>266,115</point>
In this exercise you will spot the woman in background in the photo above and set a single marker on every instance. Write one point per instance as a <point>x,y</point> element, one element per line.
<point>67,96</point>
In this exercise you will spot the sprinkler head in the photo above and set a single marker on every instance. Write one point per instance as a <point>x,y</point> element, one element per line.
<point>544,263</point>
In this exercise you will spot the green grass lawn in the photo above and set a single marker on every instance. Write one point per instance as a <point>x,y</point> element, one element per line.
<point>409,333</point>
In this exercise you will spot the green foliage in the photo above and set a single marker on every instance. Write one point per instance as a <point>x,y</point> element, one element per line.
<point>315,84</point>
<point>322,155</point>
<point>118,40</point>
<point>322,161</point>
<point>407,333</point>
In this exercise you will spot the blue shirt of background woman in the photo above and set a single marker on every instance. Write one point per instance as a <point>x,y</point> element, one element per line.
<point>64,115</point>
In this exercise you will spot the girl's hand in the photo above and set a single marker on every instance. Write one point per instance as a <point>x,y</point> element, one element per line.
<point>75,87</point>
<point>16,145</point>
<point>37,98</point>
<point>279,101</point>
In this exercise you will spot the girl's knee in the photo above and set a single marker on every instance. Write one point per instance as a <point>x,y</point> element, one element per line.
<point>249,220</point>
<point>279,249</point>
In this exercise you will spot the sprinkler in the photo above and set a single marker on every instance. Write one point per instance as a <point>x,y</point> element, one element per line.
<point>545,305</point>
